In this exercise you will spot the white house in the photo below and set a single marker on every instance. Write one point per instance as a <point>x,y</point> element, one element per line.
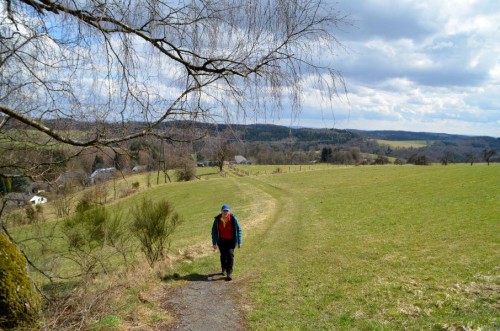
<point>140,168</point>
<point>36,200</point>
<point>240,159</point>
<point>21,199</point>
<point>101,175</point>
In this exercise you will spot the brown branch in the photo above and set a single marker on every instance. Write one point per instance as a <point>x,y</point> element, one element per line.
<point>227,66</point>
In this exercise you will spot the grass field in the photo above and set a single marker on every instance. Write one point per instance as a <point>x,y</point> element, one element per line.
<point>373,248</point>
<point>403,143</point>
<point>349,248</point>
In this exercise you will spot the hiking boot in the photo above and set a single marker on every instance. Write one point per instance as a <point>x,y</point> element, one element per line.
<point>223,272</point>
<point>229,277</point>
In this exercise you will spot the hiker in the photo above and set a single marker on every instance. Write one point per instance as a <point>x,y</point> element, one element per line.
<point>226,234</point>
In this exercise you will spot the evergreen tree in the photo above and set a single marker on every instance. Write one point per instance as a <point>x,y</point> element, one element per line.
<point>326,154</point>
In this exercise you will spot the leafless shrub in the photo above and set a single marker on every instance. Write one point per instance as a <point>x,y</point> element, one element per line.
<point>153,223</point>
<point>93,236</point>
<point>63,205</point>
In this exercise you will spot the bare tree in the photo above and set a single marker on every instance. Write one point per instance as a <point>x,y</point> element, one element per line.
<point>488,154</point>
<point>470,158</point>
<point>219,147</point>
<point>128,62</point>
<point>447,157</point>
<point>96,74</point>
<point>221,153</point>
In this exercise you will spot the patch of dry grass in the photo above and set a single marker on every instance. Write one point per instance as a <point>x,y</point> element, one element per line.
<point>127,300</point>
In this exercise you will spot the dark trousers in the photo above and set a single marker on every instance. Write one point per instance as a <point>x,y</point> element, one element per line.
<point>226,248</point>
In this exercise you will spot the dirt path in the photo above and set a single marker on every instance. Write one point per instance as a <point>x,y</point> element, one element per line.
<point>205,303</point>
<point>209,302</point>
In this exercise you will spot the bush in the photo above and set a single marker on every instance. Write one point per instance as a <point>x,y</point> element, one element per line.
<point>85,235</point>
<point>418,159</point>
<point>381,160</point>
<point>186,174</point>
<point>93,236</point>
<point>63,205</point>
<point>86,228</point>
<point>33,214</point>
<point>86,203</point>
<point>153,224</point>
<point>20,302</point>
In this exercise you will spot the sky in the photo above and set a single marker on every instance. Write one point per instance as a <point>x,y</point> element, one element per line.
<point>423,65</point>
<point>412,65</point>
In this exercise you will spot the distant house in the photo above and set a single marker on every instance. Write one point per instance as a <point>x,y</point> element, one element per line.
<point>140,168</point>
<point>15,199</point>
<point>101,175</point>
<point>239,159</point>
<point>22,199</point>
<point>36,200</point>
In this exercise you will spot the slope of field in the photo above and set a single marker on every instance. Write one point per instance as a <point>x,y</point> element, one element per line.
<point>332,248</point>
<point>373,248</point>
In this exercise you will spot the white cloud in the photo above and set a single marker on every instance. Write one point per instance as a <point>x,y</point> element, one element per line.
<point>419,66</point>
<point>495,74</point>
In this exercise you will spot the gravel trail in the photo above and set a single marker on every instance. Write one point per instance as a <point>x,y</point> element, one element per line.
<point>205,303</point>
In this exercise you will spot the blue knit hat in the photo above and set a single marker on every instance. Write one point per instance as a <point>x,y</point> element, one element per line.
<point>225,207</point>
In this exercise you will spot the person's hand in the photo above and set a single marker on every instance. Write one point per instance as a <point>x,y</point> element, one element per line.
<point>215,247</point>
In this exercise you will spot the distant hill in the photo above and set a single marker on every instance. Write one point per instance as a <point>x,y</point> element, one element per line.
<point>274,133</point>
<point>444,138</point>
<point>270,132</point>
<point>459,147</point>
<point>307,139</point>
<point>408,135</point>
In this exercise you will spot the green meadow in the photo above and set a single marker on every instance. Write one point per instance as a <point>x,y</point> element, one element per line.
<point>368,248</point>
<point>403,143</point>
<point>348,248</point>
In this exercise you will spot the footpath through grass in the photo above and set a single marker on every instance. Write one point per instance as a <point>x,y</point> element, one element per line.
<point>374,248</point>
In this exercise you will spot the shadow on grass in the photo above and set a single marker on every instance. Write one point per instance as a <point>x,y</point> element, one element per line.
<point>195,277</point>
<point>208,174</point>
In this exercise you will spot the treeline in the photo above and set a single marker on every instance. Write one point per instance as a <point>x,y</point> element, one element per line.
<point>259,144</point>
